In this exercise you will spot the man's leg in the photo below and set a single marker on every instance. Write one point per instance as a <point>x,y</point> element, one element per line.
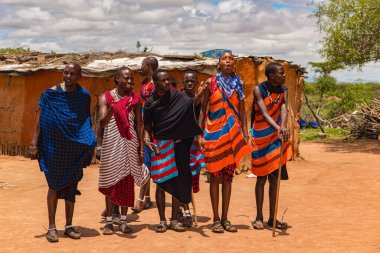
<point>214,194</point>
<point>174,223</point>
<point>259,192</point>
<point>147,202</point>
<point>187,221</point>
<point>160,200</point>
<point>69,210</point>
<point>52,201</point>
<point>272,202</point>
<point>175,207</point>
<point>139,205</point>
<point>108,228</point>
<point>123,221</point>
<point>226,196</point>
<point>272,195</point>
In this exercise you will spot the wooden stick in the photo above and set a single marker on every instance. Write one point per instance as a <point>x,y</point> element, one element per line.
<point>278,192</point>
<point>195,210</point>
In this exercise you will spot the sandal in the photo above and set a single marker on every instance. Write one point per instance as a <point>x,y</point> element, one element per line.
<point>279,224</point>
<point>258,224</point>
<point>124,228</point>
<point>52,235</point>
<point>72,233</point>
<point>228,226</point>
<point>176,226</point>
<point>139,206</point>
<point>180,215</point>
<point>217,227</point>
<point>147,203</point>
<point>108,229</point>
<point>187,221</point>
<point>162,227</point>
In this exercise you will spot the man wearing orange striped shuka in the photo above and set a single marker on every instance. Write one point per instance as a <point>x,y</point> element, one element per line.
<point>225,135</point>
<point>121,158</point>
<point>269,132</point>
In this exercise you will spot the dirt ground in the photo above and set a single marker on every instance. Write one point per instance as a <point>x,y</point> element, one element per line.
<point>332,201</point>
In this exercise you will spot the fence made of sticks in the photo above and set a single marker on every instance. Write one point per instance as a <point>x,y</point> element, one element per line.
<point>365,121</point>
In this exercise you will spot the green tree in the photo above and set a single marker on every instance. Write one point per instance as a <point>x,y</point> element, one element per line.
<point>350,30</point>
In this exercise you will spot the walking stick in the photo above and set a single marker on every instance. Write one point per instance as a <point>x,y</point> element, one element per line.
<point>195,210</point>
<point>278,192</point>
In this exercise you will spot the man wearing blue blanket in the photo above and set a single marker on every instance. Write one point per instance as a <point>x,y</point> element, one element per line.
<point>63,142</point>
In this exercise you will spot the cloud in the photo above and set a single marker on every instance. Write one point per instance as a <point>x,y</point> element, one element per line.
<point>277,28</point>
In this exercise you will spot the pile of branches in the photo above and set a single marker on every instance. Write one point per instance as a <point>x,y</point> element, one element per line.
<point>365,121</point>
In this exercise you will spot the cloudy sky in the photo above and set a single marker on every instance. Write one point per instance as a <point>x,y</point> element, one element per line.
<point>278,28</point>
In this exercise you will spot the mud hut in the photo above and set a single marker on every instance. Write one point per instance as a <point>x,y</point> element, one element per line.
<point>24,77</point>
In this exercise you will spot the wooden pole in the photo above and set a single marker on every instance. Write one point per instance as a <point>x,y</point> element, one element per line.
<point>278,191</point>
<point>194,209</point>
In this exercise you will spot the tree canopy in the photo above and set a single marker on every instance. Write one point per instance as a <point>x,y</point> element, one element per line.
<point>350,30</point>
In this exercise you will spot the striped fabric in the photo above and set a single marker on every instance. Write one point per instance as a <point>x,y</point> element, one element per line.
<point>265,141</point>
<point>163,166</point>
<point>224,141</point>
<point>197,160</point>
<point>119,155</point>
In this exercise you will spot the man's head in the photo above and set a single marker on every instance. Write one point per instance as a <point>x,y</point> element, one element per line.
<point>190,81</point>
<point>226,63</point>
<point>124,78</point>
<point>72,73</point>
<point>162,80</point>
<point>275,73</point>
<point>149,65</point>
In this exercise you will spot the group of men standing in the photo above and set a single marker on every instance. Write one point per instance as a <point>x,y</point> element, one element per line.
<point>163,133</point>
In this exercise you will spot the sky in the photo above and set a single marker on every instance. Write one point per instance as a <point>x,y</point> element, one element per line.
<point>277,28</point>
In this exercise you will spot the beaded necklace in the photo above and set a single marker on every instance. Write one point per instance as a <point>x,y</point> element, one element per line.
<point>118,97</point>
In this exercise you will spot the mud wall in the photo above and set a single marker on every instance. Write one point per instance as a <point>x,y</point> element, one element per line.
<point>20,94</point>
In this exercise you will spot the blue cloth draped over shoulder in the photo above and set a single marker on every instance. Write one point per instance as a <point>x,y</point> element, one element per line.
<point>67,138</point>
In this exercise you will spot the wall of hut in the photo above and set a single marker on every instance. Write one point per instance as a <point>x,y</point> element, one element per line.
<point>20,94</point>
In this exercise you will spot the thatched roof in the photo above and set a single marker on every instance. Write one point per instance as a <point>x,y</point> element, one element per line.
<point>104,64</point>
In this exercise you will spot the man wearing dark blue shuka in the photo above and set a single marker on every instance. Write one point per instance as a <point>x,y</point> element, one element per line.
<point>63,143</point>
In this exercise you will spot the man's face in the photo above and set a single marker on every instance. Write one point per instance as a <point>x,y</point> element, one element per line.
<point>145,68</point>
<point>163,81</point>
<point>227,63</point>
<point>71,75</point>
<point>278,78</point>
<point>189,82</point>
<point>126,80</point>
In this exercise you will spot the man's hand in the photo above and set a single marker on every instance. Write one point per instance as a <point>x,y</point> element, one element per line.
<point>148,144</point>
<point>201,144</point>
<point>202,87</point>
<point>283,134</point>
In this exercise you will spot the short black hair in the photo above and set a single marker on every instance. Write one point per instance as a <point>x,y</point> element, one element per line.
<point>76,66</point>
<point>155,74</point>
<point>272,68</point>
<point>118,72</point>
<point>190,72</point>
<point>153,62</point>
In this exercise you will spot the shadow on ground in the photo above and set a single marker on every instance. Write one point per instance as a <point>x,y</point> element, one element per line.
<point>349,146</point>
